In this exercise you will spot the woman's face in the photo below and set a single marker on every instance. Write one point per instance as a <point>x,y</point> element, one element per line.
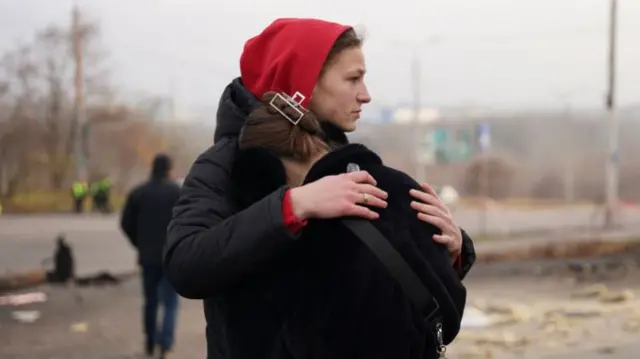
<point>340,92</point>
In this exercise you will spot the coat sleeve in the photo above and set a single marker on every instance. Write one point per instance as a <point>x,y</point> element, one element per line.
<point>209,247</point>
<point>467,256</point>
<point>468,253</point>
<point>129,219</point>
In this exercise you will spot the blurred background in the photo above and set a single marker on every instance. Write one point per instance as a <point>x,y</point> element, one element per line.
<point>523,113</point>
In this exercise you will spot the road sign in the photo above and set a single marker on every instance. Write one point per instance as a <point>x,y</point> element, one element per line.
<point>484,137</point>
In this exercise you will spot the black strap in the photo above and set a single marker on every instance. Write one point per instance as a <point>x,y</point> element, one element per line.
<point>400,270</point>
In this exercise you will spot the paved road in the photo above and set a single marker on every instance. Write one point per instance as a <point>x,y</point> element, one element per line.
<point>99,244</point>
<point>513,220</point>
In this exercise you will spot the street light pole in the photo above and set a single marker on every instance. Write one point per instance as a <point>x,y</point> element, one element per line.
<point>416,77</point>
<point>612,126</point>
<point>80,129</point>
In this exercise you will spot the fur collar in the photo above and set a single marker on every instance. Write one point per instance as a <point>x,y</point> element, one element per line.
<point>257,172</point>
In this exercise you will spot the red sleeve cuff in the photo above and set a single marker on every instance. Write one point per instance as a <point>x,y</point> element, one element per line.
<point>290,220</point>
<point>457,264</point>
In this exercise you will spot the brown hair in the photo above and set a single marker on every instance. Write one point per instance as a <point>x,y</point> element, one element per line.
<point>348,40</point>
<point>268,129</point>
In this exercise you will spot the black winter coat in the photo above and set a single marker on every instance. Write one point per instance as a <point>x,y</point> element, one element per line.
<point>335,299</point>
<point>146,215</point>
<point>219,253</point>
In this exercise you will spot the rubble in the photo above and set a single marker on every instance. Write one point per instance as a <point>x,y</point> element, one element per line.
<point>22,299</point>
<point>506,339</point>
<point>562,248</point>
<point>25,316</point>
<point>79,327</point>
<point>15,281</point>
<point>554,325</point>
<point>632,325</point>
<point>592,291</point>
<point>617,297</point>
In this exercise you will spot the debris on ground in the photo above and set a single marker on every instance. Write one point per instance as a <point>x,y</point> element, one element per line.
<point>80,327</point>
<point>22,299</point>
<point>592,291</point>
<point>504,339</point>
<point>25,316</point>
<point>14,281</point>
<point>617,297</point>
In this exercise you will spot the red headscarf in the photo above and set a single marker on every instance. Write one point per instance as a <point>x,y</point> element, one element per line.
<point>288,56</point>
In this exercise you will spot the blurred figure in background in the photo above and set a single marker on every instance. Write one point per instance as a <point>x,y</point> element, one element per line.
<point>101,191</point>
<point>79,191</point>
<point>146,215</point>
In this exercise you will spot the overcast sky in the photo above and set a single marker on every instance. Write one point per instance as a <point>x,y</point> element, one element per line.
<point>498,53</point>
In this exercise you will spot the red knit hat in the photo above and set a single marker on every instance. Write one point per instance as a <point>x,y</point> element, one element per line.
<point>288,56</point>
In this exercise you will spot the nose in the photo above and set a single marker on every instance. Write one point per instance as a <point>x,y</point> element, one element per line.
<point>363,95</point>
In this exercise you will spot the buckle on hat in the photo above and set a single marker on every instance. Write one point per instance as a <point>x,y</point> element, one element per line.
<point>294,102</point>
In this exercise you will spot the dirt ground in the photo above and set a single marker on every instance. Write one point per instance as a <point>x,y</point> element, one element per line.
<point>539,315</point>
<point>550,317</point>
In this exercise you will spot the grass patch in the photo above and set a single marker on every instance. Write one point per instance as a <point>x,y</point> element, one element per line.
<point>520,203</point>
<point>44,201</point>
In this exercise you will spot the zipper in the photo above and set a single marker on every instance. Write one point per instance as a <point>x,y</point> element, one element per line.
<point>441,349</point>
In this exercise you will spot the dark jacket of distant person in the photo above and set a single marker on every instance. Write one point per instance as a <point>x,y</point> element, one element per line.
<point>148,210</point>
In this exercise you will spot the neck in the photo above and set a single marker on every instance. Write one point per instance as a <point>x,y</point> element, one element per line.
<point>297,171</point>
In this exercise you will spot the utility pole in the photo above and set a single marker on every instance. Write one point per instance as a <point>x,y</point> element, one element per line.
<point>484,142</point>
<point>612,126</point>
<point>416,76</point>
<point>569,154</point>
<point>80,125</point>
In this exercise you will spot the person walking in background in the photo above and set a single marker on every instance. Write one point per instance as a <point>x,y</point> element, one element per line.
<point>145,217</point>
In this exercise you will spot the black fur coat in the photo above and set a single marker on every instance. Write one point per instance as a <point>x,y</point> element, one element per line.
<point>335,299</point>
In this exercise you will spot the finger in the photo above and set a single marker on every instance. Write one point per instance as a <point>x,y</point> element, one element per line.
<point>362,177</point>
<point>436,221</point>
<point>431,210</point>
<point>443,239</point>
<point>449,242</point>
<point>430,190</point>
<point>360,211</point>
<point>372,201</point>
<point>372,190</point>
<point>428,198</point>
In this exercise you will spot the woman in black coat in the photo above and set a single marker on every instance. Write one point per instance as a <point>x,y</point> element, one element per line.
<point>216,248</point>
<point>335,298</point>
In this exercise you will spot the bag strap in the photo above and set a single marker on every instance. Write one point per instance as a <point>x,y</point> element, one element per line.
<point>397,266</point>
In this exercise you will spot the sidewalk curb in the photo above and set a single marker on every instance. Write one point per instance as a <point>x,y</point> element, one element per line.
<point>31,278</point>
<point>558,248</point>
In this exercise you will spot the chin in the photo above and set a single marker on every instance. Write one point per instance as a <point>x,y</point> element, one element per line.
<point>349,127</point>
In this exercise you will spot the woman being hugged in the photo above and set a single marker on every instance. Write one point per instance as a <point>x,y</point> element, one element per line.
<point>336,297</point>
<point>226,254</point>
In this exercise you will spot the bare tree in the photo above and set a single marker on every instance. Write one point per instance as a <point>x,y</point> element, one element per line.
<point>52,47</point>
<point>36,82</point>
<point>16,135</point>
